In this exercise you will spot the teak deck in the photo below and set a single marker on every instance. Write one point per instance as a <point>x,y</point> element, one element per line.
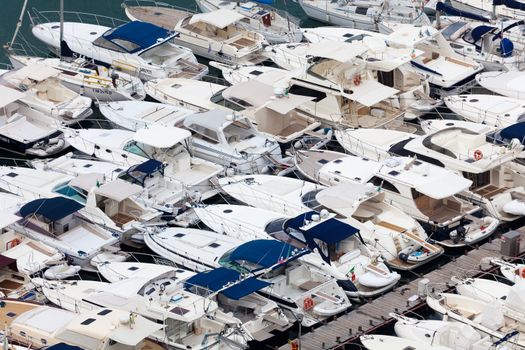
<point>368,317</point>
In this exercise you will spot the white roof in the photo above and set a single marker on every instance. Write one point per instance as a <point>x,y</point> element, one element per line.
<point>118,190</point>
<point>336,50</point>
<point>345,198</point>
<point>8,95</point>
<point>220,18</point>
<point>370,92</point>
<point>160,136</point>
<point>37,72</point>
<point>7,219</point>
<point>87,181</point>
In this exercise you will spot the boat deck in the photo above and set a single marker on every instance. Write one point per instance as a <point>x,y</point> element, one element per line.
<point>164,17</point>
<point>346,329</point>
<point>12,309</point>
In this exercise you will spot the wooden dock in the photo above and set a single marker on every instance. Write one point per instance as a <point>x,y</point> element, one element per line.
<point>347,328</point>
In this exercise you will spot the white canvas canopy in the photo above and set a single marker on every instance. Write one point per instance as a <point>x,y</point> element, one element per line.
<point>87,181</point>
<point>336,50</point>
<point>37,72</point>
<point>446,185</point>
<point>133,335</point>
<point>160,136</point>
<point>118,190</point>
<point>220,18</point>
<point>8,95</point>
<point>345,199</point>
<point>370,92</point>
<point>288,103</point>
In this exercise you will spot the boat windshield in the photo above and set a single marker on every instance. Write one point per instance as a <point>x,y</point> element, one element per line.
<point>71,192</point>
<point>241,266</point>
<point>239,130</point>
<point>138,149</point>
<point>217,98</point>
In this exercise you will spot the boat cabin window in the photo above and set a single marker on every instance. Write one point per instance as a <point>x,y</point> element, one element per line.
<point>478,180</point>
<point>241,266</point>
<point>217,98</point>
<point>127,45</point>
<point>202,132</point>
<point>301,90</point>
<point>106,44</point>
<point>83,340</point>
<point>138,149</point>
<point>75,193</point>
<point>357,37</point>
<point>178,330</point>
<point>384,184</point>
<point>238,131</point>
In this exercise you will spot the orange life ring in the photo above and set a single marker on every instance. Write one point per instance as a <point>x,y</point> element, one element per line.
<point>478,154</point>
<point>294,345</point>
<point>357,79</point>
<point>12,243</point>
<point>521,272</point>
<point>308,303</point>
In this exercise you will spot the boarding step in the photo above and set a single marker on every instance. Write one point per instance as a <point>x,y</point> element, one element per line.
<point>377,270</point>
<point>421,242</point>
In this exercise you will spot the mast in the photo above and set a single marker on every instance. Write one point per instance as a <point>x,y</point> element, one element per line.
<point>18,24</point>
<point>61,27</point>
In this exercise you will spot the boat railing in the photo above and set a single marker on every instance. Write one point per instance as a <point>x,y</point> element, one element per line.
<point>15,162</point>
<point>24,48</point>
<point>153,3</point>
<point>41,17</point>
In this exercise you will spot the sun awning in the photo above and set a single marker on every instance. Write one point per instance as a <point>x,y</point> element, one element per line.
<point>266,253</point>
<point>118,190</point>
<point>131,336</point>
<point>443,186</point>
<point>52,209</point>
<point>87,181</point>
<point>220,18</point>
<point>515,131</point>
<point>160,136</point>
<point>37,72</point>
<point>8,95</point>
<point>370,92</point>
<point>63,346</point>
<point>328,231</point>
<point>344,199</point>
<point>252,91</point>
<point>227,281</point>
<point>336,50</point>
<point>284,105</point>
<point>142,34</point>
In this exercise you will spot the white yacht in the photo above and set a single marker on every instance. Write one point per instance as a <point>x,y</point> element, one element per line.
<point>491,110</point>
<point>510,84</point>
<point>422,190</point>
<point>45,93</point>
<point>162,148</point>
<point>31,255</point>
<point>88,79</point>
<point>363,14</point>
<point>57,222</point>
<point>188,320</point>
<point>137,48</point>
<point>37,325</point>
<point>341,253</point>
<point>432,56</point>
<point>26,131</point>
<point>278,27</point>
<point>111,205</point>
<point>215,35</point>
<point>460,149</point>
<point>489,8</point>
<point>399,239</point>
<point>296,287</point>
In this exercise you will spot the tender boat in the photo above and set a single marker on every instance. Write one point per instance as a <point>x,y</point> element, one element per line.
<point>413,186</point>
<point>148,150</point>
<point>111,205</point>
<point>35,325</point>
<point>510,84</point>
<point>399,239</point>
<point>88,79</point>
<point>363,14</point>
<point>296,287</point>
<point>277,26</point>
<point>26,131</point>
<point>154,298</point>
<point>137,48</point>
<point>482,289</point>
<point>460,149</point>
<point>341,252</point>
<point>45,93</point>
<point>31,255</point>
<point>492,110</point>
<point>215,35</point>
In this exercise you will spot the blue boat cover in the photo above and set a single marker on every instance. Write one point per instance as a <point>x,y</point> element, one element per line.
<point>329,231</point>
<point>515,131</point>
<point>266,252</point>
<point>142,34</point>
<point>52,209</point>
<point>425,68</point>
<point>479,31</point>
<point>513,4</point>
<point>506,47</point>
<point>148,167</point>
<point>442,7</point>
<point>267,2</point>
<point>217,279</point>
<point>63,346</point>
